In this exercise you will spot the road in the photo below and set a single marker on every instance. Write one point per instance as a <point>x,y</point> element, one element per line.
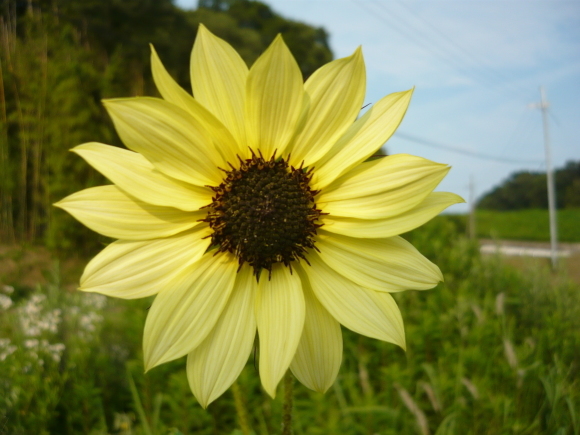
<point>527,249</point>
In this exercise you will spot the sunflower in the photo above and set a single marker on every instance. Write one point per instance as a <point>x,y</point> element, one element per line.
<point>254,207</point>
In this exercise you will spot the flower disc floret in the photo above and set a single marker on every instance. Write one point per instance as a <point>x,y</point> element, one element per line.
<point>264,212</point>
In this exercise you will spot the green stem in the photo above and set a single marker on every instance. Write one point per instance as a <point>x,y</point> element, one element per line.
<point>287,407</point>
<point>241,408</point>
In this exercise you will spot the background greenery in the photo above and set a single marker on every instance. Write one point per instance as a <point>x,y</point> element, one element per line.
<point>493,350</point>
<point>490,351</point>
<point>528,190</point>
<point>59,58</point>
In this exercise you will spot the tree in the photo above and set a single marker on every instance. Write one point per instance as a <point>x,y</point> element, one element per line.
<point>523,190</point>
<point>257,22</point>
<point>60,58</point>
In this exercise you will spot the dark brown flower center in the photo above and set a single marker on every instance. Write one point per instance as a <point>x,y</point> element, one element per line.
<point>264,213</point>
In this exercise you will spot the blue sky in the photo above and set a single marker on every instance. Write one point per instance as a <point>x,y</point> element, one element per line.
<point>476,66</point>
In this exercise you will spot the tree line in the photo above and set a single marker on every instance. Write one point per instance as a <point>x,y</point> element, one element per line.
<point>59,58</point>
<point>526,189</point>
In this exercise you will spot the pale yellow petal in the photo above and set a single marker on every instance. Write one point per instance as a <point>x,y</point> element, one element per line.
<point>135,175</point>
<point>336,93</point>
<point>382,188</point>
<point>431,206</point>
<point>387,173</point>
<point>218,78</point>
<point>367,312</point>
<point>363,138</point>
<point>168,87</point>
<point>183,315</point>
<point>390,265</point>
<point>175,142</point>
<point>280,319</point>
<point>172,92</point>
<point>216,363</point>
<point>112,213</point>
<point>274,97</point>
<point>137,269</point>
<point>319,353</point>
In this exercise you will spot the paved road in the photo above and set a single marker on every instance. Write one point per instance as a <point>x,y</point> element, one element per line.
<point>527,249</point>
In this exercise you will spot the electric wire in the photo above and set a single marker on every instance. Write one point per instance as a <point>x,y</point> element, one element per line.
<point>447,58</point>
<point>463,151</point>
<point>476,61</point>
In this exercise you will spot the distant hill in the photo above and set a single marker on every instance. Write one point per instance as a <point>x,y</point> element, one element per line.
<point>528,190</point>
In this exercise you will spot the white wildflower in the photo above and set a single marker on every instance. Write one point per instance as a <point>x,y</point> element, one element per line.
<point>30,344</point>
<point>6,349</point>
<point>95,300</point>
<point>5,302</point>
<point>89,321</point>
<point>56,351</point>
<point>34,322</point>
<point>51,320</point>
<point>8,289</point>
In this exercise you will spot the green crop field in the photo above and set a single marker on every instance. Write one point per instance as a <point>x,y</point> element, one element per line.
<point>528,224</point>
<point>491,351</point>
<point>532,225</point>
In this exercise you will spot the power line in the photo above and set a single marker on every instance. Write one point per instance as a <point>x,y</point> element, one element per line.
<point>519,131</point>
<point>463,151</point>
<point>418,37</point>
<point>492,73</point>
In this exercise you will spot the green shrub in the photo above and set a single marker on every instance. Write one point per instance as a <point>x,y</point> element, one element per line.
<point>489,351</point>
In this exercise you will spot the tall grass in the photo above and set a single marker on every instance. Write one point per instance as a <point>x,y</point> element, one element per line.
<point>490,351</point>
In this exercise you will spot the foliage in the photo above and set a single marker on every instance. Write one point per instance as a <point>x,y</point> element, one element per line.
<point>51,105</point>
<point>308,44</point>
<point>59,58</point>
<point>524,190</point>
<point>489,351</point>
<point>49,360</point>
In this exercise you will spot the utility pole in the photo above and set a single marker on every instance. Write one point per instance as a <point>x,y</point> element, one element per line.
<point>543,106</point>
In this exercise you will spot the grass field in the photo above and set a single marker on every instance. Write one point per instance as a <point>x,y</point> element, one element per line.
<point>491,351</point>
<point>532,225</point>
